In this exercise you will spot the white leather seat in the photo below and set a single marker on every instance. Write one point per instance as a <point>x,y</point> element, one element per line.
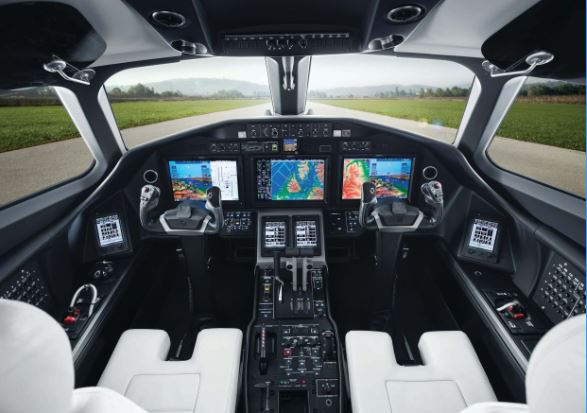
<point>36,368</point>
<point>555,380</point>
<point>208,382</point>
<point>451,378</point>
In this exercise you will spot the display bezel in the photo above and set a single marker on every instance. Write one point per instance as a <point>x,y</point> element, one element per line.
<point>239,169</point>
<point>264,202</point>
<point>379,156</point>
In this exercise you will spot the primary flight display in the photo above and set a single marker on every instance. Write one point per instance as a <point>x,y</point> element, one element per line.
<point>391,177</point>
<point>290,179</point>
<point>191,179</point>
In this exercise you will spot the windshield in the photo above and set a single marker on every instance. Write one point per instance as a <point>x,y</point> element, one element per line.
<point>427,97</point>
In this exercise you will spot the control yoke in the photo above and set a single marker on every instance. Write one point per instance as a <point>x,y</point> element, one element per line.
<point>188,218</point>
<point>390,215</point>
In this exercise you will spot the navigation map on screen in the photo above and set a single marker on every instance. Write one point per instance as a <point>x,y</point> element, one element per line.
<point>191,179</point>
<point>290,179</point>
<point>391,177</point>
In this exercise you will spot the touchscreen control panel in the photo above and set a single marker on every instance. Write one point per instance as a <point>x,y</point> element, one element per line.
<point>482,239</point>
<point>111,234</point>
<point>279,233</point>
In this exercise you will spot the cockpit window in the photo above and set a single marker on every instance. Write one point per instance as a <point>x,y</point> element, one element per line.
<point>40,146</point>
<point>543,135</point>
<point>427,97</point>
<point>185,95</point>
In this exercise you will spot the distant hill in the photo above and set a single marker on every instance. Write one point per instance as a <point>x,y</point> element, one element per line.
<point>204,86</point>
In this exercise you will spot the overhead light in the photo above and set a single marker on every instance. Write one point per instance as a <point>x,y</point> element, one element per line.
<point>405,14</point>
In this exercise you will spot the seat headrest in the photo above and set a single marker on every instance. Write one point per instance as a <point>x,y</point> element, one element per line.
<point>36,366</point>
<point>555,380</point>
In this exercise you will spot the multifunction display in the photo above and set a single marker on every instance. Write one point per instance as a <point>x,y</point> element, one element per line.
<point>191,179</point>
<point>391,177</point>
<point>290,179</point>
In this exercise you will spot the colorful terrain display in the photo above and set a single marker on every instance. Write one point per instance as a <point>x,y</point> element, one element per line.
<point>191,179</point>
<point>297,180</point>
<point>391,177</point>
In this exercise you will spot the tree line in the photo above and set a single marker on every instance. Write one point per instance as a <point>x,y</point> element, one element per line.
<point>139,91</point>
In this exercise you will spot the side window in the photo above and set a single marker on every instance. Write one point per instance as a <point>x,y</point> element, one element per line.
<point>543,135</point>
<point>39,144</point>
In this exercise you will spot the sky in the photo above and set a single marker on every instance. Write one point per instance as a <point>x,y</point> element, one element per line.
<point>326,72</point>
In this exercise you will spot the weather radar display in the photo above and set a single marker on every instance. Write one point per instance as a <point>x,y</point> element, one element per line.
<point>391,177</point>
<point>290,179</point>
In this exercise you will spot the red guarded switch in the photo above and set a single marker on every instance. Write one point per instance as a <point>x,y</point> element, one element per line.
<point>69,320</point>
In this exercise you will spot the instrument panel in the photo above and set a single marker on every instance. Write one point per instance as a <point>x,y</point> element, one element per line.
<point>304,164</point>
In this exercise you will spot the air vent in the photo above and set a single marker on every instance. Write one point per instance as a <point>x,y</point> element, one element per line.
<point>169,19</point>
<point>430,173</point>
<point>405,14</point>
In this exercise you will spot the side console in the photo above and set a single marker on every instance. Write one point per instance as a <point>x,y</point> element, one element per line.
<point>293,356</point>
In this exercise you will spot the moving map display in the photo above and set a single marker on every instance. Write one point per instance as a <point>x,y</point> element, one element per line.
<point>290,179</point>
<point>191,179</point>
<point>391,177</point>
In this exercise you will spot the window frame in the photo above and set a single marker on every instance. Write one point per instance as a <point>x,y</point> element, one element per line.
<point>19,210</point>
<point>547,204</point>
<point>497,165</point>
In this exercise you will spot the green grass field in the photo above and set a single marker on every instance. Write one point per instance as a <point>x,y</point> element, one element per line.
<point>24,126</point>
<point>557,124</point>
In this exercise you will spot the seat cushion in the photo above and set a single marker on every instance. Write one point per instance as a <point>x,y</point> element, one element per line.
<point>101,400</point>
<point>208,382</point>
<point>451,378</point>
